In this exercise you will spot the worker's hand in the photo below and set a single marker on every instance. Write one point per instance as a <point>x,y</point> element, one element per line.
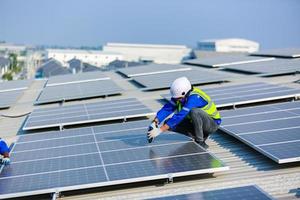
<point>153,132</point>
<point>152,125</point>
<point>5,161</point>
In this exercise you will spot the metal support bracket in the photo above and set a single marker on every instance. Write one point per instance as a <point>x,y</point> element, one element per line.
<point>234,106</point>
<point>170,178</point>
<point>55,195</point>
<point>61,127</point>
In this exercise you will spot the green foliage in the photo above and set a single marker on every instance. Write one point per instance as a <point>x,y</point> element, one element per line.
<point>7,76</point>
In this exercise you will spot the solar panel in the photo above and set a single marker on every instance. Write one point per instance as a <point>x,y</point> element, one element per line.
<point>109,155</point>
<point>247,93</point>
<point>226,60</point>
<point>75,91</point>
<point>271,129</point>
<point>9,98</point>
<point>152,69</point>
<point>86,113</point>
<point>164,80</point>
<point>14,85</point>
<point>269,68</point>
<point>284,53</point>
<point>250,192</point>
<point>76,78</point>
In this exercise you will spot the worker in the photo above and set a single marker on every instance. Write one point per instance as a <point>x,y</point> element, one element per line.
<point>4,151</point>
<point>195,114</point>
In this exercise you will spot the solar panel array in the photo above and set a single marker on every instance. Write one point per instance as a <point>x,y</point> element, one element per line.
<point>9,98</point>
<point>164,80</point>
<point>10,91</point>
<point>76,78</point>
<point>247,93</point>
<point>221,61</point>
<point>86,113</point>
<point>269,68</point>
<point>82,90</point>
<point>284,53</point>
<point>272,129</point>
<point>14,85</point>
<point>100,156</point>
<point>152,69</point>
<point>238,193</point>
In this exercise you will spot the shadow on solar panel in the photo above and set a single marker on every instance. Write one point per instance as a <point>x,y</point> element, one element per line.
<point>100,156</point>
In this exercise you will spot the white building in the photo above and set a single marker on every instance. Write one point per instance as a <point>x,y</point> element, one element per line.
<point>228,45</point>
<point>97,58</point>
<point>12,48</point>
<point>161,54</point>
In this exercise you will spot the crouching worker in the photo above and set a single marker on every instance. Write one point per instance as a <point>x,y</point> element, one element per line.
<point>195,114</point>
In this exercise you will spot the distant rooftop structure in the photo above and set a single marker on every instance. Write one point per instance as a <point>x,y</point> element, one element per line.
<point>97,58</point>
<point>228,45</point>
<point>50,68</point>
<point>12,48</point>
<point>161,54</point>
<point>76,66</point>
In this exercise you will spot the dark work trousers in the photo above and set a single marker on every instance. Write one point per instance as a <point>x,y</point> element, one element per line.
<point>199,128</point>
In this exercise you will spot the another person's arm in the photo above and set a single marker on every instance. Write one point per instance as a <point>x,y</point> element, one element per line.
<point>4,150</point>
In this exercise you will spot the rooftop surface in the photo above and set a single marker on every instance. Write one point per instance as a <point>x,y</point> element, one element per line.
<point>247,166</point>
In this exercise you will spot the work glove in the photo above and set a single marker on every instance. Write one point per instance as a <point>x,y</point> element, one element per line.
<point>5,161</point>
<point>153,132</point>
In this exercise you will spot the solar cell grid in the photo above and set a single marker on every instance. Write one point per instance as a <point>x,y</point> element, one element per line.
<point>269,68</point>
<point>86,113</point>
<point>161,81</point>
<point>222,61</point>
<point>152,69</point>
<point>78,91</point>
<point>76,78</point>
<point>77,160</point>
<point>7,99</point>
<point>248,93</point>
<point>14,85</point>
<point>271,129</point>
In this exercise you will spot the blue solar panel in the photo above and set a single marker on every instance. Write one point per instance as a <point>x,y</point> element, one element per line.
<point>100,156</point>
<point>86,113</point>
<point>271,129</point>
<point>248,93</point>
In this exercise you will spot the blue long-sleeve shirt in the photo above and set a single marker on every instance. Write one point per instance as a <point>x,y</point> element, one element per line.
<point>3,147</point>
<point>192,101</point>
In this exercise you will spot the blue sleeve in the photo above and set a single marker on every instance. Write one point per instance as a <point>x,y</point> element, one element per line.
<point>3,147</point>
<point>165,111</point>
<point>193,101</point>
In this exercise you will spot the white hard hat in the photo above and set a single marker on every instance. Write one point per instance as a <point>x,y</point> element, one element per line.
<point>180,87</point>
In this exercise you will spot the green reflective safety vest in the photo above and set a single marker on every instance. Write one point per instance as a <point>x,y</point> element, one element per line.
<point>210,108</point>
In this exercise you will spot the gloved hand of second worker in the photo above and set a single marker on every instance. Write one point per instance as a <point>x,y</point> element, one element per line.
<point>5,161</point>
<point>154,131</point>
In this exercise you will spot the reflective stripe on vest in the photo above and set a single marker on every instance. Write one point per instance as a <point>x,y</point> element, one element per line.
<point>210,108</point>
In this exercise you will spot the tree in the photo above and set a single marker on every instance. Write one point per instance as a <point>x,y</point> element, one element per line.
<point>7,76</point>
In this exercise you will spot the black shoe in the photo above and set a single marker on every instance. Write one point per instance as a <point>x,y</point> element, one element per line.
<point>202,144</point>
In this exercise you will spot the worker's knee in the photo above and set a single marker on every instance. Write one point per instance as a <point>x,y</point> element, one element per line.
<point>196,112</point>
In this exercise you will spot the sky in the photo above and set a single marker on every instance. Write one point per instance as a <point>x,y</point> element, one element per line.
<point>272,23</point>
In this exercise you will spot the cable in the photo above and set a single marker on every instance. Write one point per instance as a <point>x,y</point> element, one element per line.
<point>15,116</point>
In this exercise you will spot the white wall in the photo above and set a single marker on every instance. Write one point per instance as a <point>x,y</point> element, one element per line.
<point>161,54</point>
